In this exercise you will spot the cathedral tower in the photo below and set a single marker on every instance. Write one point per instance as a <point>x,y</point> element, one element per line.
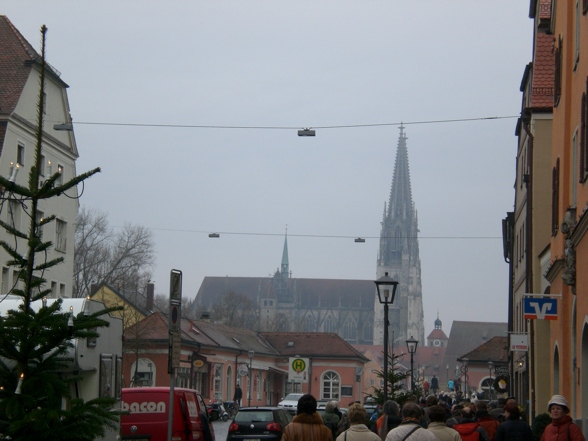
<point>399,257</point>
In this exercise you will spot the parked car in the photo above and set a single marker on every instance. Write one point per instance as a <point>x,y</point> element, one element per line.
<point>259,423</point>
<point>290,403</point>
<point>148,409</point>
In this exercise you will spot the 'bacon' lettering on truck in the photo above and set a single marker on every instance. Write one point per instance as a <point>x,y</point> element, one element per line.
<point>144,407</point>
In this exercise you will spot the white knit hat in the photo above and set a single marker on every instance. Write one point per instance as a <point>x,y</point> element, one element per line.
<point>559,400</point>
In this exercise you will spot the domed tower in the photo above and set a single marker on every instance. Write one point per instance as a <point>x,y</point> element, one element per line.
<point>437,337</point>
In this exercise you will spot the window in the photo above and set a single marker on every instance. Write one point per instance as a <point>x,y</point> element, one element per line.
<point>20,154</point>
<point>577,35</point>
<point>258,383</point>
<point>14,210</point>
<point>346,391</point>
<point>42,166</point>
<point>16,283</point>
<point>330,325</point>
<point>368,331</point>
<point>574,170</point>
<point>62,290</point>
<point>349,330</point>
<point>558,73</point>
<point>331,385</point>
<point>60,235</point>
<point>309,323</point>
<point>584,136</point>
<point>555,198</point>
<point>218,384</point>
<point>5,281</point>
<point>40,215</point>
<point>54,290</point>
<point>59,180</point>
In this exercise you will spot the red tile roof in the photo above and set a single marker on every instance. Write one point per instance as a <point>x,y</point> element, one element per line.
<point>543,71</point>
<point>311,343</point>
<point>16,55</point>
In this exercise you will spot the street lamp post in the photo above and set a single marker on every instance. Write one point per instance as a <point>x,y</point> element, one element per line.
<point>250,354</point>
<point>464,370</point>
<point>386,287</point>
<point>490,366</point>
<point>412,343</point>
<point>447,368</point>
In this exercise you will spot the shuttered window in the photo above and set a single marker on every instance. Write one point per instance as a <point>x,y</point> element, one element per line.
<point>555,198</point>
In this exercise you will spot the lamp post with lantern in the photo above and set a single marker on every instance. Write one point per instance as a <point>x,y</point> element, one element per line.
<point>490,366</point>
<point>386,287</point>
<point>412,344</point>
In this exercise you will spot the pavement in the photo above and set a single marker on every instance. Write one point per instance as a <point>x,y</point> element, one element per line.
<point>221,429</point>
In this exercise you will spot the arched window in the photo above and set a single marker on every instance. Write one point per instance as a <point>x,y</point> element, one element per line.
<point>368,331</point>
<point>218,384</point>
<point>144,373</point>
<point>331,386</point>
<point>229,387</point>
<point>283,325</point>
<point>309,323</point>
<point>556,371</point>
<point>349,330</point>
<point>330,325</point>
<point>486,386</point>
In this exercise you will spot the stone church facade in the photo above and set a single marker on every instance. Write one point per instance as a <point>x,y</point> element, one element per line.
<point>348,308</point>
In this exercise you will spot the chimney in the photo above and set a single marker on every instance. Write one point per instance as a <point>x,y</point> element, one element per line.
<point>150,296</point>
<point>94,287</point>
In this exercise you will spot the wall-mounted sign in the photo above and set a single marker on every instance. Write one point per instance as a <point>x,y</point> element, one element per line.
<point>540,309</point>
<point>519,342</point>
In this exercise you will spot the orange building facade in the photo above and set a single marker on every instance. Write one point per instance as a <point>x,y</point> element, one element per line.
<point>568,249</point>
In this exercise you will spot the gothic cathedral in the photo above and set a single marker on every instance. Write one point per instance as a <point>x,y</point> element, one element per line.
<point>399,257</point>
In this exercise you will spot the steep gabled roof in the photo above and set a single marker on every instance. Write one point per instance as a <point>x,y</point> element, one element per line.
<point>16,57</point>
<point>496,350</point>
<point>312,343</point>
<point>312,292</point>
<point>466,336</point>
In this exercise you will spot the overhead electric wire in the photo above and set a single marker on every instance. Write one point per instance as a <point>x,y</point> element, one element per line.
<point>319,236</point>
<point>342,126</point>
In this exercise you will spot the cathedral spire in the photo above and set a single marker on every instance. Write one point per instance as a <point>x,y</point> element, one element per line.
<point>400,204</point>
<point>285,268</point>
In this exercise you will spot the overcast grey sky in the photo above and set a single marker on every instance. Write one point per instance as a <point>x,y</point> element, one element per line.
<point>298,64</point>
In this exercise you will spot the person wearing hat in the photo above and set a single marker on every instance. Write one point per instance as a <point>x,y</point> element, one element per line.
<point>562,428</point>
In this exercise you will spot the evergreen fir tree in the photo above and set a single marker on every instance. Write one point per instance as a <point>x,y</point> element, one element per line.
<point>35,340</point>
<point>395,386</point>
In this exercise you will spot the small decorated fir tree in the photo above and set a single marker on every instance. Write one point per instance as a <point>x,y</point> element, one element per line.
<point>36,339</point>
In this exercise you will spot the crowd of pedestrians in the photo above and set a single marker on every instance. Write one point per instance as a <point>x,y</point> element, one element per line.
<point>433,420</point>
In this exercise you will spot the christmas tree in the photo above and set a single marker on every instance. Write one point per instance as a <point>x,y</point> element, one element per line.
<point>36,339</point>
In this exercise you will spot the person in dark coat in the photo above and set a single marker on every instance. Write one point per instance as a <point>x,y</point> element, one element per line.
<point>238,394</point>
<point>513,428</point>
<point>389,420</point>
